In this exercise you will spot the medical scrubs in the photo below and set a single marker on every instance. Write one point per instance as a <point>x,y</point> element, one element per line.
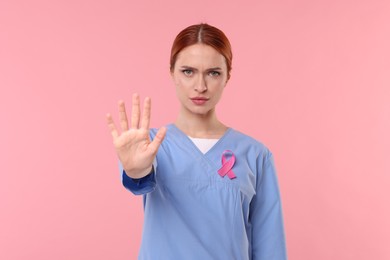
<point>192,212</point>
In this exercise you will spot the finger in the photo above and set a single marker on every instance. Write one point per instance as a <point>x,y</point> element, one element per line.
<point>146,113</point>
<point>123,116</point>
<point>135,112</point>
<point>155,144</point>
<point>111,126</point>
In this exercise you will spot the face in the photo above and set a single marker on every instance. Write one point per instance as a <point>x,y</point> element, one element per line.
<point>200,75</point>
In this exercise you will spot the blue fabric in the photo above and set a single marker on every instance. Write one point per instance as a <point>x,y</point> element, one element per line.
<point>191,212</point>
<point>139,186</point>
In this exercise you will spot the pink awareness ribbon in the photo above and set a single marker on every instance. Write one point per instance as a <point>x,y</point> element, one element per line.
<point>227,165</point>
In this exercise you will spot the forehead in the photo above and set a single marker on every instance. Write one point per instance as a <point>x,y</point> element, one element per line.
<point>200,55</point>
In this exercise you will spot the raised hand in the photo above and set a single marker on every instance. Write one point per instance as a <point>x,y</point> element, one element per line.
<point>133,145</point>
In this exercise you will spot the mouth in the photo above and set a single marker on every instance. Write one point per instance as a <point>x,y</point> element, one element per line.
<point>199,100</point>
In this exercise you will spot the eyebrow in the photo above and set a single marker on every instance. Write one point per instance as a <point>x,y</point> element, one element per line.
<point>209,69</point>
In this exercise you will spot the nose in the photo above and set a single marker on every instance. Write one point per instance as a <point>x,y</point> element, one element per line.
<point>201,85</point>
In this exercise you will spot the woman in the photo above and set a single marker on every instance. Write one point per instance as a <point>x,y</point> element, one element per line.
<point>210,192</point>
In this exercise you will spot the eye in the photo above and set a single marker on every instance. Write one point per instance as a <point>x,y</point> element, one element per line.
<point>187,72</point>
<point>214,73</point>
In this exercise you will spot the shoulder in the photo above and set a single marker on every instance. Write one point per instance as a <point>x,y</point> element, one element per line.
<point>246,139</point>
<point>249,144</point>
<point>172,137</point>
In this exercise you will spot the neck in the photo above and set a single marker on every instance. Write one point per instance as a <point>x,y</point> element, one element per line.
<point>200,126</point>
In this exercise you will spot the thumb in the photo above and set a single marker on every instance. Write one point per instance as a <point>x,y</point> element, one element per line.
<point>155,144</point>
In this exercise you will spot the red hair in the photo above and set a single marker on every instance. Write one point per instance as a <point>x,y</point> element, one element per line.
<point>206,34</point>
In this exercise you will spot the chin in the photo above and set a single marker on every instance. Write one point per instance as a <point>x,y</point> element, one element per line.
<point>198,110</point>
<point>201,111</point>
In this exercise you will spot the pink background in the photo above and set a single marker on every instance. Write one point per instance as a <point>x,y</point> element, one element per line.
<point>310,79</point>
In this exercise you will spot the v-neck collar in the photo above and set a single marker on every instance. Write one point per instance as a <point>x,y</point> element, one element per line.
<point>204,155</point>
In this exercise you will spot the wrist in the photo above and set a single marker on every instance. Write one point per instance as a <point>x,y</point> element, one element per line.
<point>138,174</point>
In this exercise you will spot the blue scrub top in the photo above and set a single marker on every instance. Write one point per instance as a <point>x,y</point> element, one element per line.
<point>191,212</point>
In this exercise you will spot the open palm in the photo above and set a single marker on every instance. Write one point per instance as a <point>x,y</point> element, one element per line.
<point>133,145</point>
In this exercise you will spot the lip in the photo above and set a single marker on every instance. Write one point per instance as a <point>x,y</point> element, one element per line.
<point>199,100</point>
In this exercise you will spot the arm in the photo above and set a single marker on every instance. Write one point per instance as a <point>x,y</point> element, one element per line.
<point>268,238</point>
